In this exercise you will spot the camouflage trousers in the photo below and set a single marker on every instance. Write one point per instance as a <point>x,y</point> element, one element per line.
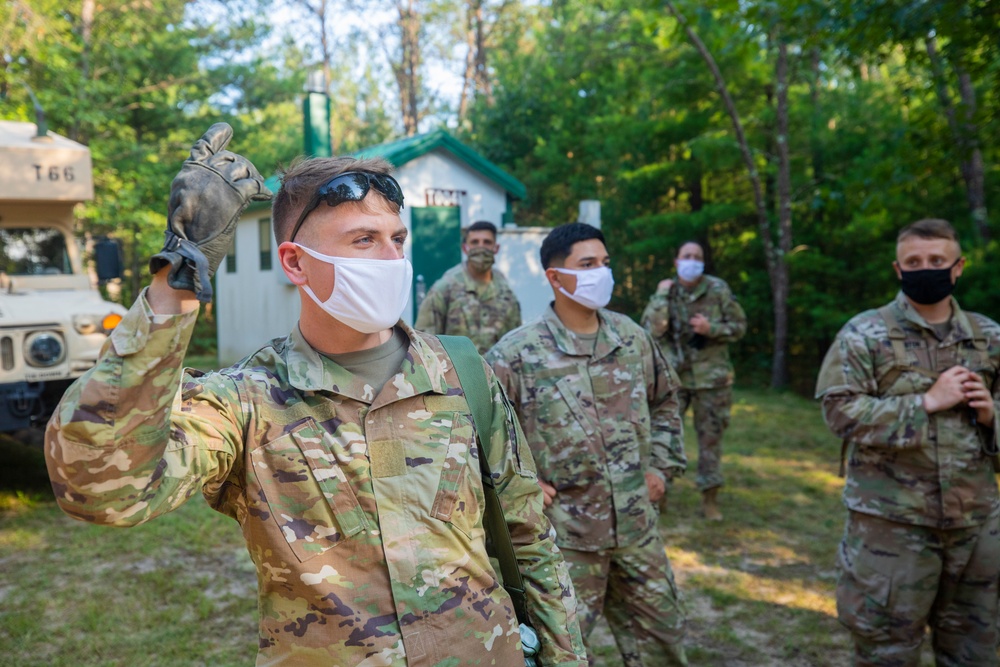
<point>896,579</point>
<point>634,587</point>
<point>711,418</point>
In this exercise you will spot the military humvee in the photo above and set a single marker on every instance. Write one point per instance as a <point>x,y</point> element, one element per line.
<point>53,320</point>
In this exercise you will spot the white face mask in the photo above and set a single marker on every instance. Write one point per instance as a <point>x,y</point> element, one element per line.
<point>593,286</point>
<point>368,295</point>
<point>690,269</point>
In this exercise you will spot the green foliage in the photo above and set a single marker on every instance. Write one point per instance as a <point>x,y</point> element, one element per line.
<point>611,102</point>
<point>606,101</point>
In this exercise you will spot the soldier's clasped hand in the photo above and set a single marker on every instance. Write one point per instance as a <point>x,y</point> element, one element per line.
<point>700,324</point>
<point>950,389</point>
<point>549,491</point>
<point>978,397</point>
<point>655,485</point>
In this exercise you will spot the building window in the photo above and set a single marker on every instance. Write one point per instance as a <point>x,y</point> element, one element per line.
<point>264,233</point>
<point>231,257</point>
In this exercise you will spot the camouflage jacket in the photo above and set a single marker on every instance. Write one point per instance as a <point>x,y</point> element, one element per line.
<point>700,362</point>
<point>596,423</point>
<point>362,510</point>
<point>904,464</point>
<point>457,305</point>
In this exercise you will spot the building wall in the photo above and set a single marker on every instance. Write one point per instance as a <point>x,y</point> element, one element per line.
<point>521,264</point>
<point>254,305</point>
<point>483,200</point>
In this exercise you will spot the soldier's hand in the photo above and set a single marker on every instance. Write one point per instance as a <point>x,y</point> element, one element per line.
<point>207,197</point>
<point>549,492</point>
<point>948,390</point>
<point>700,324</point>
<point>665,285</point>
<point>979,398</point>
<point>655,485</point>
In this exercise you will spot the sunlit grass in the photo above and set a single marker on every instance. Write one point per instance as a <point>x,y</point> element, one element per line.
<point>179,591</point>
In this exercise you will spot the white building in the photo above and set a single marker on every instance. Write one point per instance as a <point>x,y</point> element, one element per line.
<point>446,186</point>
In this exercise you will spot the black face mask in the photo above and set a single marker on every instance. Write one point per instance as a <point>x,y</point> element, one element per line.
<point>928,286</point>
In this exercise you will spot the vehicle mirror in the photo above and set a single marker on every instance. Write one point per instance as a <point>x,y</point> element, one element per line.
<point>109,260</point>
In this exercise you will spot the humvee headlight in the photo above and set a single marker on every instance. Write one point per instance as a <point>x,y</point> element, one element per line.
<point>85,324</point>
<point>44,348</point>
<point>111,321</point>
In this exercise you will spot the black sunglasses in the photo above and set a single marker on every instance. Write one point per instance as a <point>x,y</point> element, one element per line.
<point>351,186</point>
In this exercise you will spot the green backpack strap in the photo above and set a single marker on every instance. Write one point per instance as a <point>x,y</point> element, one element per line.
<point>472,376</point>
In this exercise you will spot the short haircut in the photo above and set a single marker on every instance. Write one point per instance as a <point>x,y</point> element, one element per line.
<point>692,242</point>
<point>302,178</point>
<point>558,245</point>
<point>929,228</point>
<point>480,226</point>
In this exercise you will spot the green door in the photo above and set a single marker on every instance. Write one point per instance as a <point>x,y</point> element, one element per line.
<point>437,236</point>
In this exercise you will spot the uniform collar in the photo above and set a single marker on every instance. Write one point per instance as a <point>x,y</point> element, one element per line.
<point>308,370</point>
<point>960,327</point>
<point>472,285</point>
<point>608,339</point>
<point>694,293</point>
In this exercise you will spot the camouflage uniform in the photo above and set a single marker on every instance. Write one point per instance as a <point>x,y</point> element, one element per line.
<point>702,362</point>
<point>598,418</point>
<point>362,510</point>
<point>922,542</point>
<point>457,305</point>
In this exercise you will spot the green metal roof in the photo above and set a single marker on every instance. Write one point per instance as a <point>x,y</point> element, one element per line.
<point>404,150</point>
<point>401,151</point>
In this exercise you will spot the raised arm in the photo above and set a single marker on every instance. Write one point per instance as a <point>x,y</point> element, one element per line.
<point>656,316</point>
<point>136,436</point>
<point>734,321</point>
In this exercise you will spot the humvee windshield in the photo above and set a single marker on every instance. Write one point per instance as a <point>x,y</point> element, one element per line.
<point>33,251</point>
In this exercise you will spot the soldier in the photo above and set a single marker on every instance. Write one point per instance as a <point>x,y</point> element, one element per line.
<point>472,299</point>
<point>694,320</point>
<point>598,404</point>
<point>346,451</point>
<point>912,389</point>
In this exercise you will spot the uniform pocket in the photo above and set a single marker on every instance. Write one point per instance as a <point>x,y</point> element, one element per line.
<point>863,596</point>
<point>459,498</point>
<point>306,490</point>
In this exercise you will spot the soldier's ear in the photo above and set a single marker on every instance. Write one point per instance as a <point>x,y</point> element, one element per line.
<point>956,270</point>
<point>895,266</point>
<point>290,257</point>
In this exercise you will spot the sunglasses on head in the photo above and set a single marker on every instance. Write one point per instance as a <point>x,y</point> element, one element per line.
<point>351,186</point>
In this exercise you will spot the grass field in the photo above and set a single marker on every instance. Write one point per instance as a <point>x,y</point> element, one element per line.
<point>180,590</point>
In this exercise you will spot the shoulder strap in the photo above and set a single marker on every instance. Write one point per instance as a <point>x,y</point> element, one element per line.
<point>979,341</point>
<point>469,367</point>
<point>898,338</point>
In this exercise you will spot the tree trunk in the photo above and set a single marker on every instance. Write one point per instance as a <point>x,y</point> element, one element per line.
<point>321,11</point>
<point>86,30</point>
<point>469,76</point>
<point>815,145</point>
<point>976,182</point>
<point>964,136</point>
<point>780,284</point>
<point>483,84</point>
<point>775,261</point>
<point>407,70</point>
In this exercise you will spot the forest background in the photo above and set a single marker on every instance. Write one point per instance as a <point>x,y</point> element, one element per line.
<point>792,138</point>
